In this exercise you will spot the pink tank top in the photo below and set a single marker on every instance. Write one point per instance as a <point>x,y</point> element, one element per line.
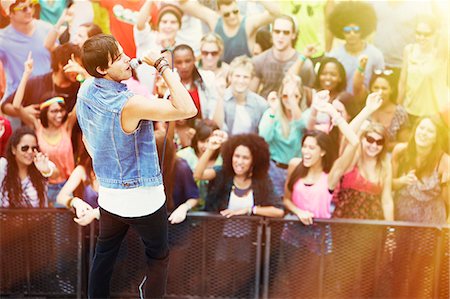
<point>315,198</point>
<point>61,154</point>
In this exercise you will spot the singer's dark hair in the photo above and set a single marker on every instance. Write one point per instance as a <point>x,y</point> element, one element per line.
<point>196,75</point>
<point>97,52</point>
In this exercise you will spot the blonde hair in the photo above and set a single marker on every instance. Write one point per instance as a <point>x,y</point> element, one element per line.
<point>212,38</point>
<point>382,159</point>
<point>241,62</point>
<point>289,78</point>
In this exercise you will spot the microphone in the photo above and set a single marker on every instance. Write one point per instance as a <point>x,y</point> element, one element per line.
<point>135,62</point>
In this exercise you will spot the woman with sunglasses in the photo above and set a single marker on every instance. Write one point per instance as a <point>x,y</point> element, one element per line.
<point>211,50</point>
<point>421,171</point>
<point>422,87</point>
<point>392,116</point>
<point>23,172</point>
<point>353,22</point>
<point>53,129</point>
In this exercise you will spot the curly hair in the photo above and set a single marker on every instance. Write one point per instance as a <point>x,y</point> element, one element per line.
<point>258,148</point>
<point>12,185</point>
<point>352,12</point>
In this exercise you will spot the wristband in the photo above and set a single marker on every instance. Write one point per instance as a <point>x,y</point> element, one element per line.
<point>158,61</point>
<point>80,78</point>
<point>302,57</point>
<point>69,202</point>
<point>272,116</point>
<point>49,173</point>
<point>360,69</point>
<point>254,210</point>
<point>163,68</point>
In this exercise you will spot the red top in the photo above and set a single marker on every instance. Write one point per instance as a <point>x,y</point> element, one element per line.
<point>196,99</point>
<point>354,180</point>
<point>5,133</point>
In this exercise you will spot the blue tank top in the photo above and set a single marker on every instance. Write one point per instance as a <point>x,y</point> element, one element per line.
<point>236,45</point>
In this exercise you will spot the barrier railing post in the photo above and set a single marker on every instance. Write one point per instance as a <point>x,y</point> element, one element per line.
<point>266,264</point>
<point>258,258</point>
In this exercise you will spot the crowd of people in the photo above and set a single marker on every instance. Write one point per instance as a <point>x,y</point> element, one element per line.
<point>322,109</point>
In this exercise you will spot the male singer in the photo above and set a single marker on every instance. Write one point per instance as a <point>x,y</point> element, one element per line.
<point>118,133</point>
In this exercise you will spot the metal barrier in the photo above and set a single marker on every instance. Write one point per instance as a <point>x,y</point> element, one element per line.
<point>43,253</point>
<point>355,259</point>
<point>210,257</point>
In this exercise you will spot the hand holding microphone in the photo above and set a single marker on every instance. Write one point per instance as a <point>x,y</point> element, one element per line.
<point>152,58</point>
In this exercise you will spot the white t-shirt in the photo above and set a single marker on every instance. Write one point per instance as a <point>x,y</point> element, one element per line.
<point>136,202</point>
<point>242,121</point>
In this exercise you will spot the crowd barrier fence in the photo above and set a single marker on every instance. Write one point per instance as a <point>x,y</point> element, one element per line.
<point>44,253</point>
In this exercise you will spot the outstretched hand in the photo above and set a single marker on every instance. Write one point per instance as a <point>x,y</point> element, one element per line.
<point>41,162</point>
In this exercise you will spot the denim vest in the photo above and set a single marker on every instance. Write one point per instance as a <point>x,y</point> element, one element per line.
<point>120,160</point>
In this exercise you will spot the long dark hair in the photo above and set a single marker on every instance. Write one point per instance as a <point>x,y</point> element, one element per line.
<point>325,143</point>
<point>408,158</point>
<point>12,185</point>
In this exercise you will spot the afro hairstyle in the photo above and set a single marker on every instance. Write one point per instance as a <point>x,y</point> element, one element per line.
<point>352,12</point>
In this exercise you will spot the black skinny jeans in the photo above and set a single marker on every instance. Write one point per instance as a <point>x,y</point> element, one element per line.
<point>153,231</point>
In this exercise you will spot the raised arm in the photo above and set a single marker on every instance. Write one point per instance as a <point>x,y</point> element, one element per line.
<point>373,102</point>
<point>26,117</point>
<point>52,36</point>
<point>179,107</point>
<point>342,165</point>
<point>143,15</point>
<point>195,9</point>
<point>359,89</point>
<point>257,21</point>
<point>214,143</point>
<point>403,77</point>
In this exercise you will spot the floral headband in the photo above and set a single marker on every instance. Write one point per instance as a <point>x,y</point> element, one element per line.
<point>51,101</point>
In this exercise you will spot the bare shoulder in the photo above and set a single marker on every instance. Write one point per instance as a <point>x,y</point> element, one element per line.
<point>399,148</point>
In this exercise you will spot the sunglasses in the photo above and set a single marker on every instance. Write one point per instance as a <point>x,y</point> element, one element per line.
<point>24,7</point>
<point>227,14</point>
<point>285,32</point>
<point>384,72</point>
<point>56,111</point>
<point>347,29</point>
<point>424,34</point>
<point>25,148</point>
<point>286,96</point>
<point>373,140</point>
<point>212,53</point>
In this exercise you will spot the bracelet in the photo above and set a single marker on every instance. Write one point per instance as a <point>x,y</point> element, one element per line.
<point>302,57</point>
<point>49,173</point>
<point>272,116</point>
<point>163,68</point>
<point>80,78</point>
<point>158,61</point>
<point>360,69</point>
<point>69,202</point>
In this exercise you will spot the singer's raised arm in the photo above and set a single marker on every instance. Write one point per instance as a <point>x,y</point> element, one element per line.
<point>179,107</point>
